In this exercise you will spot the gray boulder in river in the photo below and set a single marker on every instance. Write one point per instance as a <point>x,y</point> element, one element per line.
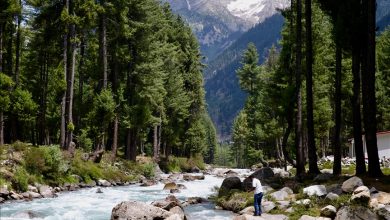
<point>133,210</point>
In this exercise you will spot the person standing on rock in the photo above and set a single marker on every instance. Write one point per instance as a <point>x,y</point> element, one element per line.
<point>258,191</point>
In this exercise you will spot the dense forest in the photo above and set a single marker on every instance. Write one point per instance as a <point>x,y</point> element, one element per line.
<point>107,75</point>
<point>324,83</point>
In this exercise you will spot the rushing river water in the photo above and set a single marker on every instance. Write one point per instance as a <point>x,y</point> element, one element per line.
<point>87,204</point>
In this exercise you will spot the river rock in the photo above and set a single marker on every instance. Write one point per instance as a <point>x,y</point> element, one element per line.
<point>384,212</point>
<point>355,213</point>
<point>2,199</point>
<point>308,217</point>
<point>329,211</point>
<point>316,190</point>
<point>174,191</point>
<point>267,206</point>
<point>283,204</point>
<point>174,217</point>
<point>146,183</point>
<point>261,174</point>
<point>4,191</point>
<point>168,203</point>
<point>248,210</point>
<point>189,177</point>
<point>32,188</point>
<point>133,210</point>
<point>287,190</point>
<point>382,197</point>
<point>195,169</point>
<point>102,182</point>
<point>263,216</point>
<point>279,195</point>
<point>34,195</point>
<point>45,191</point>
<point>179,211</point>
<point>361,195</point>
<point>331,196</point>
<point>181,186</point>
<point>169,186</point>
<point>230,173</point>
<point>15,195</point>
<point>351,184</point>
<point>195,200</point>
<point>334,188</point>
<point>305,202</point>
<point>27,215</point>
<point>228,184</point>
<point>99,190</point>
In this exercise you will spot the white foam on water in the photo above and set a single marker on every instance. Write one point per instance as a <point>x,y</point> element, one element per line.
<point>87,204</point>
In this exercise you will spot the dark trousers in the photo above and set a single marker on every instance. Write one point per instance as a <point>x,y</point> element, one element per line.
<point>257,203</point>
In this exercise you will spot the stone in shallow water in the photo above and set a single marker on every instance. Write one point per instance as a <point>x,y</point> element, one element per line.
<point>138,210</point>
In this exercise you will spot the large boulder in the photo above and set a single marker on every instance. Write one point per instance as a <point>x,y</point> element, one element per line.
<point>308,217</point>
<point>263,216</point>
<point>168,203</point>
<point>169,186</point>
<point>334,188</point>
<point>329,211</point>
<point>316,190</point>
<point>331,196</point>
<point>102,182</point>
<point>46,191</point>
<point>133,210</point>
<point>351,184</point>
<point>179,211</point>
<point>279,195</point>
<point>382,197</point>
<point>355,213</point>
<point>262,174</point>
<point>229,184</point>
<point>189,177</point>
<point>361,195</point>
<point>384,212</point>
<point>267,206</point>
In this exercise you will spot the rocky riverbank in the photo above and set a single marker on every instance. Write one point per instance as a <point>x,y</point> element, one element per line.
<point>325,197</point>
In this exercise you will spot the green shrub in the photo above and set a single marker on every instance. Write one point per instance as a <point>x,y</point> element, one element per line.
<point>84,141</point>
<point>148,170</point>
<point>181,164</point>
<point>87,170</point>
<point>19,146</point>
<point>47,161</point>
<point>20,179</point>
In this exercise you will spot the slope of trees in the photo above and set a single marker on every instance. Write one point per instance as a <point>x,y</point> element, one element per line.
<point>102,75</point>
<point>336,83</point>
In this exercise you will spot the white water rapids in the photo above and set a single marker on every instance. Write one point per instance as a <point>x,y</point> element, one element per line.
<point>86,204</point>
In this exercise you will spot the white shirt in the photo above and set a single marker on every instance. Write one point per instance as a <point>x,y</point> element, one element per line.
<point>256,184</point>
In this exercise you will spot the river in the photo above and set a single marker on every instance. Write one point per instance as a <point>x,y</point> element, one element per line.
<point>86,204</point>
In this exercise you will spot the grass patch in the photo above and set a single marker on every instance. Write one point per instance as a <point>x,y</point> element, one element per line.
<point>181,164</point>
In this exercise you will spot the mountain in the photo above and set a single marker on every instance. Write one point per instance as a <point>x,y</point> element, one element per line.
<point>223,94</point>
<point>219,23</point>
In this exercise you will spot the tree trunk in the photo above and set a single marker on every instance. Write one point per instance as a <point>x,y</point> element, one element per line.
<point>63,101</point>
<point>368,87</point>
<point>1,128</point>
<point>70,80</point>
<point>337,129</point>
<point>103,46</point>
<point>1,70</point>
<point>115,137</point>
<point>298,73</point>
<point>131,147</point>
<point>284,144</point>
<point>313,168</point>
<point>17,51</point>
<point>155,143</point>
<point>357,120</point>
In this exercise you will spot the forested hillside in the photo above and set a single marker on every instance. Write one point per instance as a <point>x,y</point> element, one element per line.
<point>224,96</point>
<point>124,76</point>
